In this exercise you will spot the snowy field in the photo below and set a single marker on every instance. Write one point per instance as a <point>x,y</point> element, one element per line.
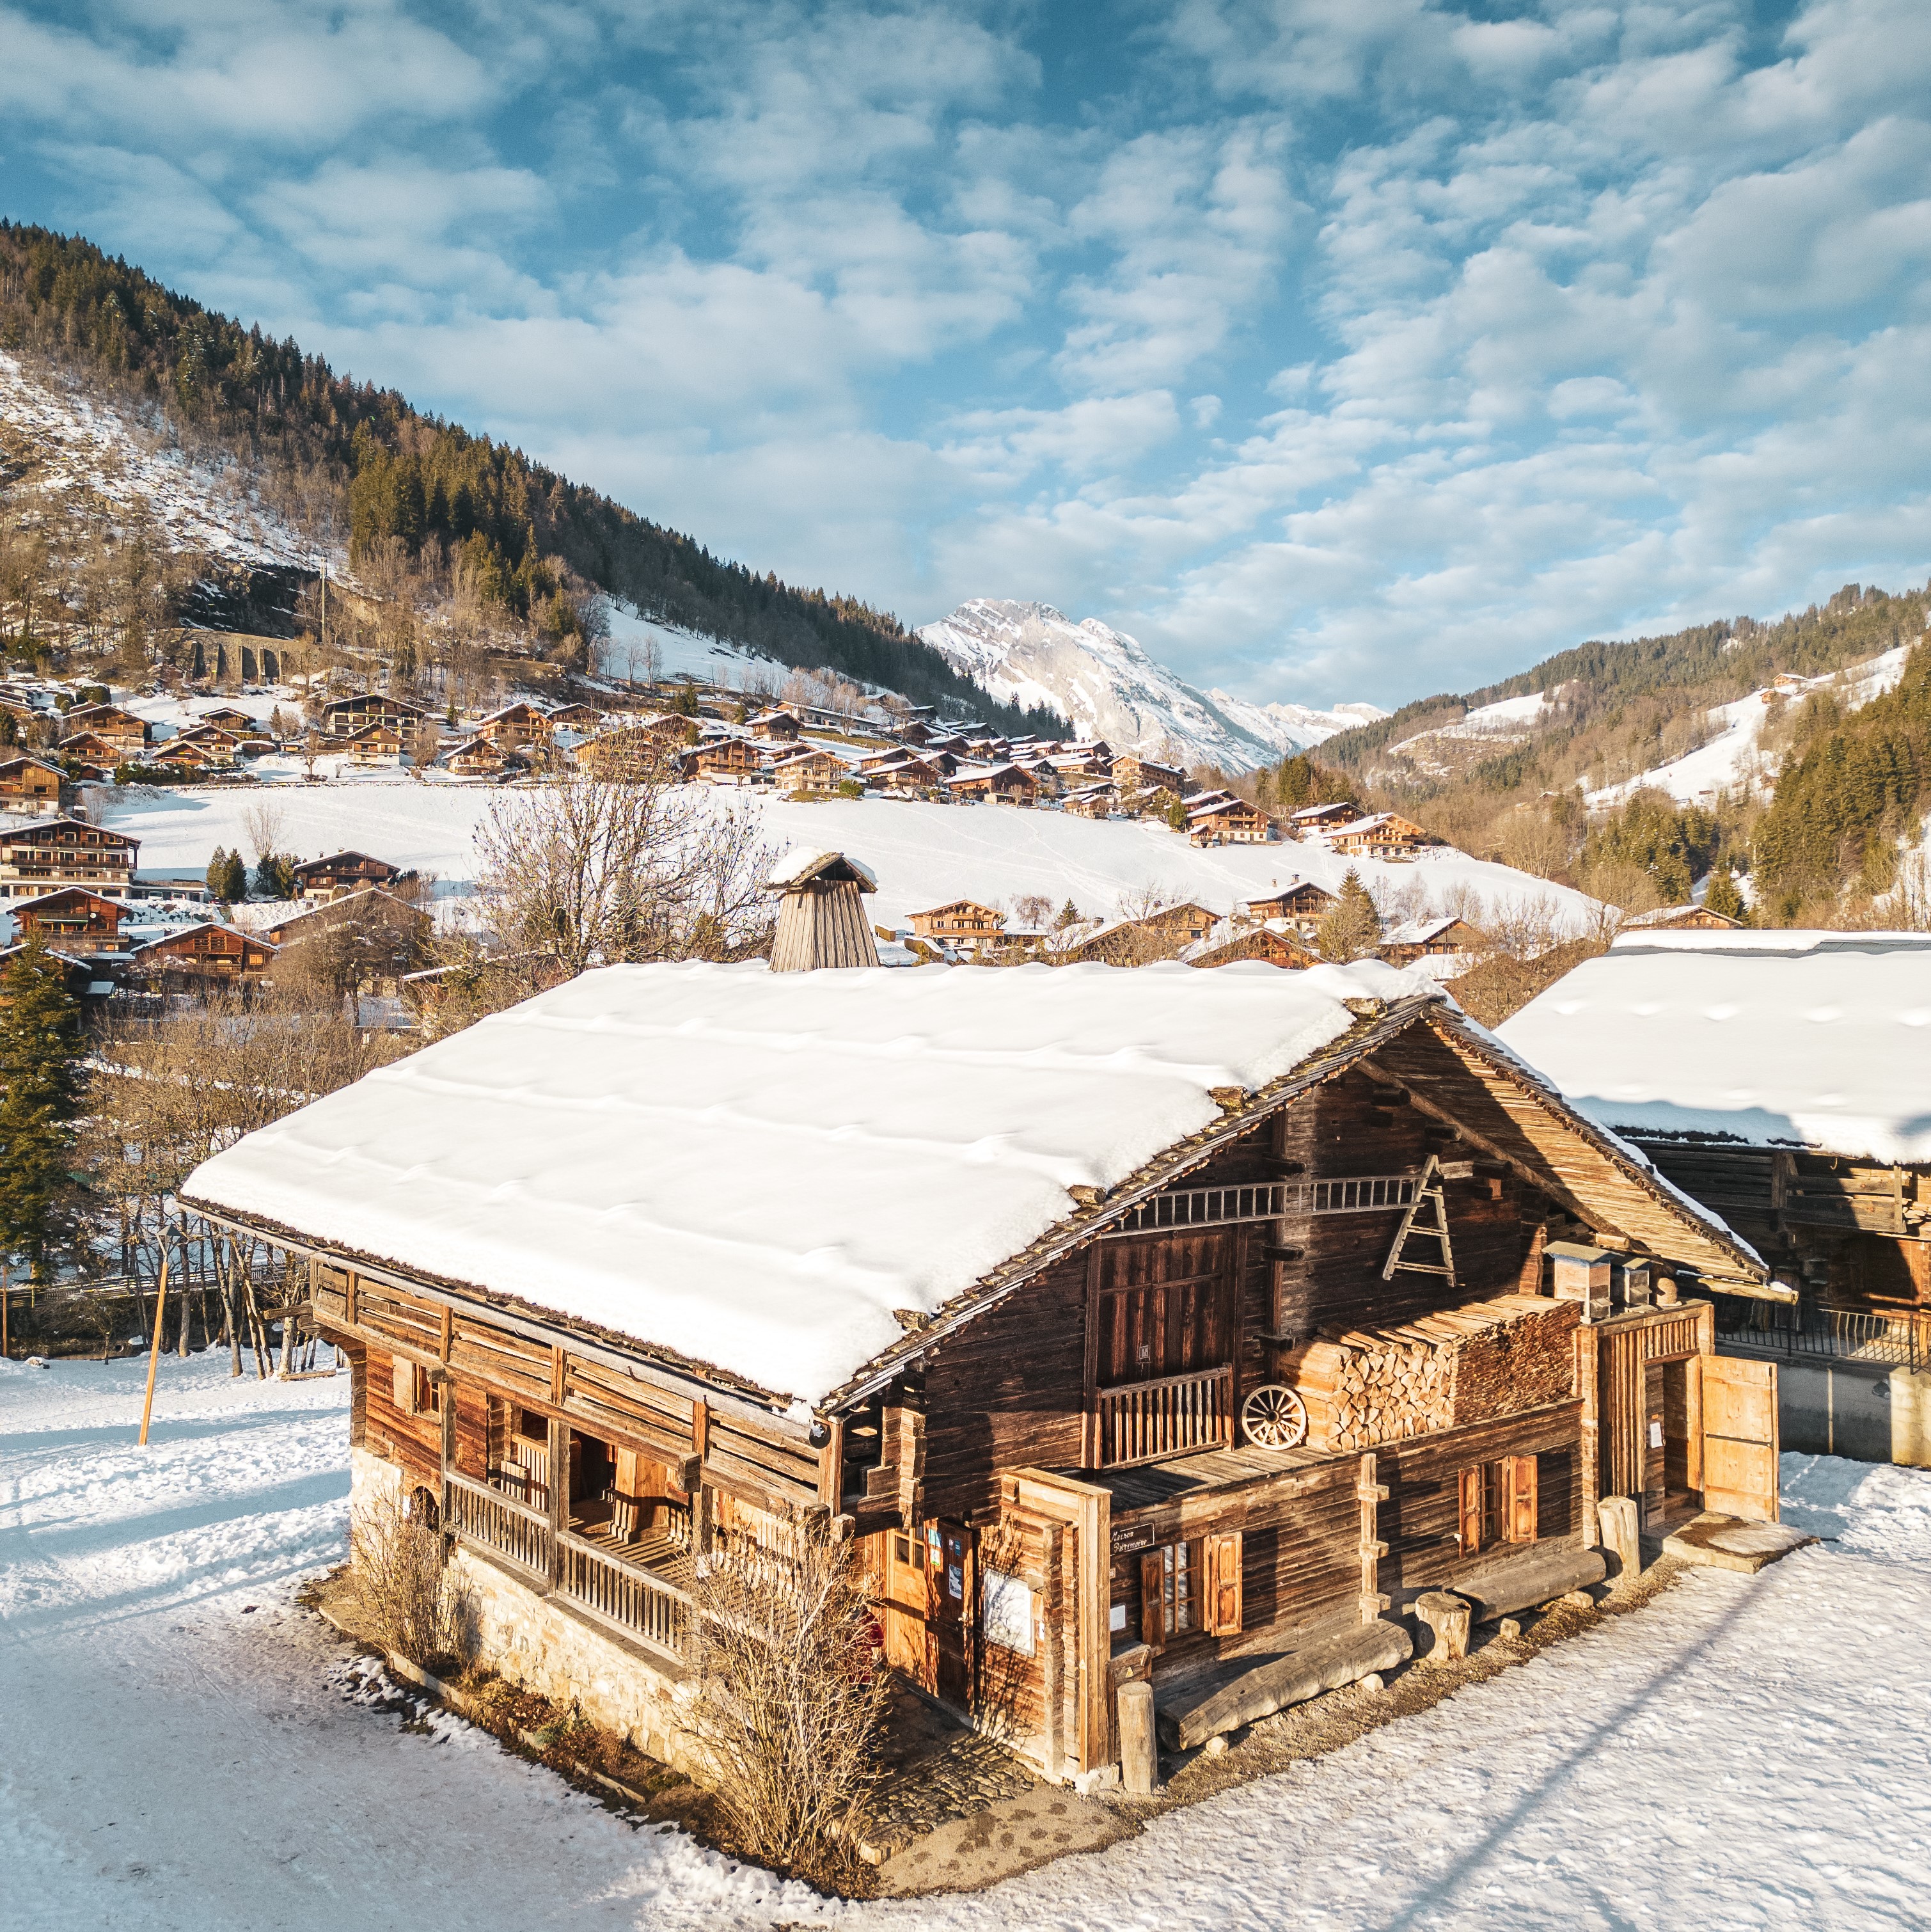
<point>923,854</point>
<point>181,1750</point>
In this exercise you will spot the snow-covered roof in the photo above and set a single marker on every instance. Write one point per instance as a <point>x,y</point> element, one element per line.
<point>1778,1039</point>
<point>756,1169</point>
<point>1420,931</point>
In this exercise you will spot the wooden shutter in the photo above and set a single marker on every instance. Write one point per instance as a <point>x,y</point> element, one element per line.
<point>1470,1512</point>
<point>1220,1585</point>
<point>405,1386</point>
<point>1153,1600</point>
<point>1519,1499</point>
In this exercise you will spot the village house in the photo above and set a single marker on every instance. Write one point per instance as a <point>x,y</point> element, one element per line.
<point>1133,939</point>
<point>1229,1314</point>
<point>519,727</point>
<point>993,785</point>
<point>1303,904</point>
<point>776,728</point>
<point>1134,776</point>
<point>1386,835</point>
<point>815,773</point>
<point>209,742</point>
<point>28,785</point>
<point>901,774</point>
<point>77,976</point>
<point>344,717</point>
<point>1418,939</point>
<point>126,733</point>
<point>1779,1077</point>
<point>637,745</point>
<point>726,761</point>
<point>90,749</point>
<point>75,920</point>
<point>341,874</point>
<point>1681,918</point>
<point>377,744</point>
<point>478,758</point>
<point>1322,818</point>
<point>576,717</point>
<point>1274,942</point>
<point>229,718</point>
<point>959,925</point>
<point>1090,802</point>
<point>1228,821</point>
<point>359,908</point>
<point>41,856</point>
<point>191,958</point>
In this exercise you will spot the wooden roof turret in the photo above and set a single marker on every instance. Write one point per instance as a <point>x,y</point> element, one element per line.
<point>821,919</point>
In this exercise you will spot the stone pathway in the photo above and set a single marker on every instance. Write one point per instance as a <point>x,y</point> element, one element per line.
<point>939,1773</point>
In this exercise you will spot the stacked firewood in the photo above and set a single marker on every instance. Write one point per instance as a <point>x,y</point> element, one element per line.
<point>1365,1389</point>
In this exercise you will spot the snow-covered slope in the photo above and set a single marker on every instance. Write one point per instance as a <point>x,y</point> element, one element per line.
<point>63,446</point>
<point>1104,682</point>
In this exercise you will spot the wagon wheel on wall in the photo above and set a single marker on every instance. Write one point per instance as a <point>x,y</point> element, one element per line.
<point>1274,1418</point>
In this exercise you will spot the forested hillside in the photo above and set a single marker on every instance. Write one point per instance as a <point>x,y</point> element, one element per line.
<point>342,460</point>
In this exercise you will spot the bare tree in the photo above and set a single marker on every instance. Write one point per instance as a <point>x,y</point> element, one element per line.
<point>791,1693</point>
<point>594,871</point>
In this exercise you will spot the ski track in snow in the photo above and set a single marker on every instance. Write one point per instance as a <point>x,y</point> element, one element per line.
<point>1747,1753</point>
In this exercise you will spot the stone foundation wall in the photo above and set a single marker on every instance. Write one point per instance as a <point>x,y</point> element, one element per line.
<point>534,1640</point>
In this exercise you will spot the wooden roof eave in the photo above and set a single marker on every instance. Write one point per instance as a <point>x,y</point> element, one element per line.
<point>1170,1165</point>
<point>1609,1184</point>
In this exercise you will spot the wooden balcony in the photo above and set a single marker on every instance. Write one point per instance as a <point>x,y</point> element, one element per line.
<point>1173,1415</point>
<point>621,1584</point>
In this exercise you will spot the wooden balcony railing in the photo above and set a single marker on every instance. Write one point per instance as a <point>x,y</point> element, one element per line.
<point>633,1598</point>
<point>1142,1422</point>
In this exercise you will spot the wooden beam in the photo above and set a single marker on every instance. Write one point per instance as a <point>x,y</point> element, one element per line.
<point>1371,1494</point>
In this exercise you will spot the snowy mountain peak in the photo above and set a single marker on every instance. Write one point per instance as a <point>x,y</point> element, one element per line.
<point>1105,684</point>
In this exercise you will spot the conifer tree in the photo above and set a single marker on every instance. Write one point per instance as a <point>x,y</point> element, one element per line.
<point>234,882</point>
<point>217,872</point>
<point>1724,895</point>
<point>1352,929</point>
<point>41,1089</point>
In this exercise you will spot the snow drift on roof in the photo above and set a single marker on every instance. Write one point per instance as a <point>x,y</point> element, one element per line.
<point>1819,1039</point>
<point>756,1169</point>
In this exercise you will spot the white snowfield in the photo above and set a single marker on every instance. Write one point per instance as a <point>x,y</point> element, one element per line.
<point>924,855</point>
<point>758,1168</point>
<point>1777,1038</point>
<point>184,1748</point>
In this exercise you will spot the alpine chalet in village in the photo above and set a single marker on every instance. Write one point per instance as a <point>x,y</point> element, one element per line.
<point>1138,1325</point>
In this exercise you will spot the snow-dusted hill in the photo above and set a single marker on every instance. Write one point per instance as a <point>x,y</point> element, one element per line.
<point>1106,685</point>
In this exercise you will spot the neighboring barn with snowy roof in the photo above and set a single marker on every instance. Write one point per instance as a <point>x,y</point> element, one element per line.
<point>1784,1078</point>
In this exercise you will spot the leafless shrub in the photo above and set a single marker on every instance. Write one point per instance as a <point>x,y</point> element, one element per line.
<point>407,1599</point>
<point>595,871</point>
<point>791,1695</point>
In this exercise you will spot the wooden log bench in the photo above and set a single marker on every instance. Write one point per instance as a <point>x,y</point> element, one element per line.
<point>1535,1577</point>
<point>1325,1664</point>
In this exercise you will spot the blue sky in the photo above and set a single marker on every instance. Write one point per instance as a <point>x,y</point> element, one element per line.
<point>1334,348</point>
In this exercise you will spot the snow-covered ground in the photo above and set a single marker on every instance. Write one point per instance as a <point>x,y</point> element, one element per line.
<point>923,854</point>
<point>184,1748</point>
<point>1731,759</point>
<point>638,649</point>
<point>81,444</point>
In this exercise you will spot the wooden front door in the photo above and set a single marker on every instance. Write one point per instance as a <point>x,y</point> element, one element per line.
<point>1166,1306</point>
<point>1740,1437</point>
<point>929,1589</point>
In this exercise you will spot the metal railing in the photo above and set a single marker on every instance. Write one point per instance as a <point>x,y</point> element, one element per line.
<point>1845,1334</point>
<point>1142,1422</point>
<point>1268,1201</point>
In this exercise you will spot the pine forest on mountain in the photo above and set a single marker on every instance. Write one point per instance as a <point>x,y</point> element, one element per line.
<point>427,510</point>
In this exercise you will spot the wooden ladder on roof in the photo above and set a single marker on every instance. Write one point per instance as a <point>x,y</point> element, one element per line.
<point>1428,1194</point>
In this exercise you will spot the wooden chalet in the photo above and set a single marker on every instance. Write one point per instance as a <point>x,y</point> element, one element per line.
<point>191,958</point>
<point>1681,918</point>
<point>341,874</point>
<point>477,758</point>
<point>1431,939</point>
<point>812,771</point>
<point>1134,775</point>
<point>43,855</point>
<point>1217,1323</point>
<point>575,717</point>
<point>958,923</point>
<point>1303,905</point>
<point>183,753</point>
<point>91,749</point>
<point>209,743</point>
<point>1274,942</point>
<point>731,761</point>
<point>1386,835</point>
<point>74,919</point>
<point>1779,1079</point>
<point>776,727</point>
<point>903,773</point>
<point>77,974</point>
<point>516,727</point>
<point>344,717</point>
<point>231,718</point>
<point>993,784</point>
<point>28,785</point>
<point>126,733</point>
<point>1323,817</point>
<point>1228,821</point>
<point>377,744</point>
<point>370,904</point>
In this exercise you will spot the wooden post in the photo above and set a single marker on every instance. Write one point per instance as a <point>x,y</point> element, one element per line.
<point>1139,1752</point>
<point>1622,1533</point>
<point>1052,1678</point>
<point>559,1491</point>
<point>6,1303</point>
<point>154,1343</point>
<point>1371,1495</point>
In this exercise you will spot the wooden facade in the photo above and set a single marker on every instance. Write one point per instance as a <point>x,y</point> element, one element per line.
<point>198,954</point>
<point>1059,1483</point>
<point>42,855</point>
<point>75,920</point>
<point>28,786</point>
<point>343,873</point>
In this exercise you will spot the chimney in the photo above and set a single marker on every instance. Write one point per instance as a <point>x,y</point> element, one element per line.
<point>821,919</point>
